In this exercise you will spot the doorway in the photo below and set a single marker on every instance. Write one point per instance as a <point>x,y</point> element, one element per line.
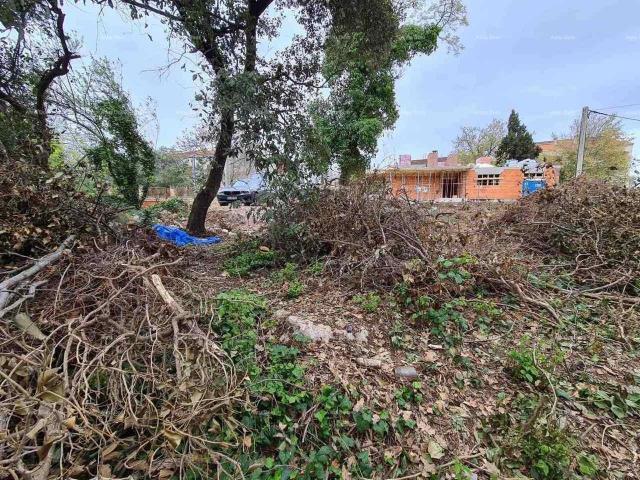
<point>451,185</point>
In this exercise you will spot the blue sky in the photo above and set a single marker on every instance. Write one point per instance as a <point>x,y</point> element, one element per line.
<point>545,58</point>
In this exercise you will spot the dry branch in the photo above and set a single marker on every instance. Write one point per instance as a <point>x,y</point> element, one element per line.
<point>8,286</point>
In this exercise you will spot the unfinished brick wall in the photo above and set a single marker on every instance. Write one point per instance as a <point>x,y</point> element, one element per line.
<point>509,187</point>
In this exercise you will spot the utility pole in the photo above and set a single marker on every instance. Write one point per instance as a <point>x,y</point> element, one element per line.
<point>582,139</point>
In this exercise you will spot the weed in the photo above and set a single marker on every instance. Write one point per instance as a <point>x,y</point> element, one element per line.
<point>616,403</point>
<point>524,366</point>
<point>369,301</point>
<point>447,322</point>
<point>316,268</point>
<point>295,289</point>
<point>274,383</point>
<point>528,364</point>
<point>409,394</point>
<point>397,335</point>
<point>287,273</point>
<point>546,452</point>
<point>249,260</point>
<point>452,269</point>
<point>588,465</point>
<point>289,276</point>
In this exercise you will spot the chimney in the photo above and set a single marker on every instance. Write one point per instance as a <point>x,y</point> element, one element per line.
<point>405,160</point>
<point>432,159</point>
<point>452,160</point>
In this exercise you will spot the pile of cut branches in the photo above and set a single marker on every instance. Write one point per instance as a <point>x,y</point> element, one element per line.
<point>594,225</point>
<point>40,208</point>
<point>110,375</point>
<point>380,240</point>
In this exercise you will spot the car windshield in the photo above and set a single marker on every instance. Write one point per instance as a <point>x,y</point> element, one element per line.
<point>252,183</point>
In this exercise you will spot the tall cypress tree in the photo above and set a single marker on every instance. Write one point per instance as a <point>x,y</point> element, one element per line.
<point>518,144</point>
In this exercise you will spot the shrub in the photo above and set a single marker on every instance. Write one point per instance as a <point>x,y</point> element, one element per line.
<point>369,301</point>
<point>547,452</point>
<point>151,215</point>
<point>254,258</point>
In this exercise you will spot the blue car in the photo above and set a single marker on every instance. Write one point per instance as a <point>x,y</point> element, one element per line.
<point>248,190</point>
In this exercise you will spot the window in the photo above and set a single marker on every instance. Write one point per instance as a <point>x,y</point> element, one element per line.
<point>533,175</point>
<point>487,179</point>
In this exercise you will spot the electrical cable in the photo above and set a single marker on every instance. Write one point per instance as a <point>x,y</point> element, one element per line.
<point>616,116</point>
<point>620,106</point>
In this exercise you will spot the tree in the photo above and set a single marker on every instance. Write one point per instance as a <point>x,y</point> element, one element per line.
<point>607,150</point>
<point>35,51</point>
<point>260,102</point>
<point>171,170</point>
<point>92,104</point>
<point>362,104</point>
<point>518,143</point>
<point>474,142</point>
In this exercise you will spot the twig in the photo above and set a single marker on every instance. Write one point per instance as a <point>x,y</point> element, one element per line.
<point>9,283</point>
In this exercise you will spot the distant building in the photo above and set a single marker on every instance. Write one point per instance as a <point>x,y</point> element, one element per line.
<point>437,178</point>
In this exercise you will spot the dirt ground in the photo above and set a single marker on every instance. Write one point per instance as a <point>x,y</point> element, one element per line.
<point>466,388</point>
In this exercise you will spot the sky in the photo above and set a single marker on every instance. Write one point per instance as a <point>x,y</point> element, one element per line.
<point>544,58</point>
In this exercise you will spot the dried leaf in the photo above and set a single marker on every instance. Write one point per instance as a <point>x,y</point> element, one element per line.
<point>435,450</point>
<point>173,438</point>
<point>50,386</point>
<point>104,471</point>
<point>24,323</point>
<point>140,465</point>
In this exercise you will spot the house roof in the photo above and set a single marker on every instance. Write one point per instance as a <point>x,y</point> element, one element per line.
<point>415,169</point>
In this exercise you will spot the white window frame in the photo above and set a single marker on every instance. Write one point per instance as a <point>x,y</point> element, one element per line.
<point>488,179</point>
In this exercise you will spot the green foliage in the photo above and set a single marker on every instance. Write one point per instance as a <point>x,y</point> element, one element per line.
<point>618,404</point>
<point>237,314</point>
<point>452,269</point>
<point>316,268</point>
<point>274,382</point>
<point>289,276</point>
<point>474,142</point>
<point>124,152</point>
<point>170,170</point>
<point>606,153</point>
<point>250,258</point>
<point>524,366</point>
<point>369,301</point>
<point>295,289</point>
<point>287,273</point>
<point>518,143</point>
<point>588,465</point>
<point>547,452</point>
<point>409,394</point>
<point>446,321</point>
<point>397,335</point>
<point>362,104</point>
<point>150,215</point>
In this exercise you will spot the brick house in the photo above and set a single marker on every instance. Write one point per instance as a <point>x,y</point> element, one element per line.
<point>436,178</point>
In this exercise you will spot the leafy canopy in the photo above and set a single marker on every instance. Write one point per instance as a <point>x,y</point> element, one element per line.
<point>518,143</point>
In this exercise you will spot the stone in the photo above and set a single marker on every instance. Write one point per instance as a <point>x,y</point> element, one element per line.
<point>369,362</point>
<point>280,314</point>
<point>406,372</point>
<point>362,336</point>
<point>314,331</point>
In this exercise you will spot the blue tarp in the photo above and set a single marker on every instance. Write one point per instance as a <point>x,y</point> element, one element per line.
<point>181,238</point>
<point>530,186</point>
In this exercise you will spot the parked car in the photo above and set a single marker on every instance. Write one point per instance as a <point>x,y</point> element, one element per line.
<point>247,190</point>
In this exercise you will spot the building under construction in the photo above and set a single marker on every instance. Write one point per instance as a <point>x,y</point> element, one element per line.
<point>444,179</point>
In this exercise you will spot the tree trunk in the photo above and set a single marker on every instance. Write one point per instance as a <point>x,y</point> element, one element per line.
<point>204,198</point>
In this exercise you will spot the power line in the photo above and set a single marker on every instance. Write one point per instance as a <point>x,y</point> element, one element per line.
<point>616,116</point>
<point>620,106</point>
